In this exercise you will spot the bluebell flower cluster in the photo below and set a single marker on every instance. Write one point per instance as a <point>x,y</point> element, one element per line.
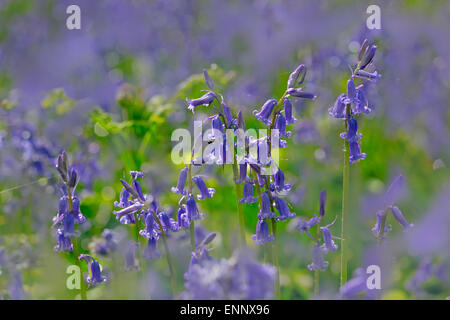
<point>354,102</point>
<point>381,227</point>
<point>69,213</point>
<point>239,277</point>
<point>327,243</point>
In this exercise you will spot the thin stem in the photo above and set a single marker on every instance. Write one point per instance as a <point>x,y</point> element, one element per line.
<point>237,190</point>
<point>168,256</point>
<point>192,223</point>
<point>345,198</point>
<point>317,272</point>
<point>76,251</point>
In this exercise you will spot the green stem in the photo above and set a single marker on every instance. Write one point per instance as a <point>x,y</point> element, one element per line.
<point>76,251</point>
<point>168,256</point>
<point>237,190</point>
<point>345,198</point>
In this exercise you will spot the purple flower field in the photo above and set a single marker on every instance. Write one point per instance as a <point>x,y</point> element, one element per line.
<point>224,150</point>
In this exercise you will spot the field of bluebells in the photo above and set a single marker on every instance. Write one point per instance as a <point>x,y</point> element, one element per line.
<point>346,195</point>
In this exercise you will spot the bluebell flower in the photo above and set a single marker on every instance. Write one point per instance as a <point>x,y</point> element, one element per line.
<point>204,100</point>
<point>130,189</point>
<point>280,125</point>
<point>216,127</point>
<point>243,177</point>
<point>151,251</point>
<point>304,225</point>
<point>79,218</point>
<point>265,112</point>
<point>400,218</point>
<point>351,91</point>
<point>265,210</point>
<point>367,75</point>
<point>136,174</point>
<point>368,56</point>
<point>318,262</point>
<point>290,119</point>
<point>283,210</point>
<point>150,227</point>
<point>130,256</point>
<point>205,192</point>
<point>182,218</point>
<point>361,104</point>
<point>328,244</point>
<point>377,228</point>
<point>69,226</point>
<point>124,199</point>
<point>338,110</point>
<point>64,243</point>
<point>262,233</point>
<point>299,93</point>
<point>355,286</point>
<point>192,210</point>
<point>16,287</point>
<point>168,223</point>
<point>181,182</point>
<point>62,166</point>
<point>95,272</point>
<point>248,194</point>
<point>137,187</point>
<point>126,215</point>
<point>297,76</point>
<point>352,131</point>
<point>355,152</point>
<point>280,186</point>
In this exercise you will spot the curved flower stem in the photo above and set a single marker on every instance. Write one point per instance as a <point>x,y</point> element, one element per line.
<point>345,198</point>
<point>168,256</point>
<point>76,251</point>
<point>192,223</point>
<point>317,272</point>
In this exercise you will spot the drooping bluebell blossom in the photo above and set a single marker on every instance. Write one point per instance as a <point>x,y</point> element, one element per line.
<point>248,194</point>
<point>355,286</point>
<point>151,251</point>
<point>280,125</point>
<point>338,110</point>
<point>182,177</point>
<point>328,243</point>
<point>266,112</point>
<point>283,210</point>
<point>400,218</point>
<point>130,189</point>
<point>182,218</point>
<point>167,223</point>
<point>205,192</point>
<point>318,262</point>
<point>16,287</point>
<point>150,226</point>
<point>130,256</point>
<point>192,210</point>
<point>280,186</point>
<point>64,243</point>
<point>243,177</point>
<point>355,152</point>
<point>216,127</point>
<point>79,218</point>
<point>299,93</point>
<point>105,245</point>
<point>367,75</point>
<point>352,134</point>
<point>262,233</point>
<point>126,215</point>
<point>204,100</point>
<point>69,226</point>
<point>95,272</point>
<point>304,225</point>
<point>265,211</point>
<point>290,119</point>
<point>351,91</point>
<point>124,199</point>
